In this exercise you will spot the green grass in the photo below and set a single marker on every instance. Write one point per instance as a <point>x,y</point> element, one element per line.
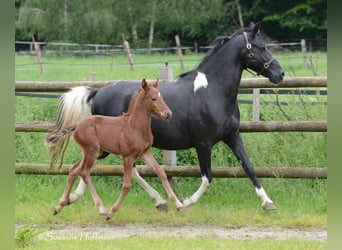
<point>136,243</point>
<point>227,202</point>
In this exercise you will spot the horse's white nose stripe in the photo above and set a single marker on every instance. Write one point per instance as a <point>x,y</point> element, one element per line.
<point>200,81</point>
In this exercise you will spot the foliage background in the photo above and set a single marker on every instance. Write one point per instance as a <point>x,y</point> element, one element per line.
<point>156,22</point>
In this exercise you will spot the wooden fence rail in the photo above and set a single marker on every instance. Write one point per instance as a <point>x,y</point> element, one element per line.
<point>187,171</point>
<point>258,126</point>
<point>181,171</point>
<point>288,82</point>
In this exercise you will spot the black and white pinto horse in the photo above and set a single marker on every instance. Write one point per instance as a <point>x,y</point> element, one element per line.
<point>203,102</point>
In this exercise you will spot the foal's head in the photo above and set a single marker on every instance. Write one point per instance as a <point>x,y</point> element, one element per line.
<point>154,101</point>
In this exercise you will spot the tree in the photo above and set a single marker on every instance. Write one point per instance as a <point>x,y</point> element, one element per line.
<point>288,18</point>
<point>158,21</point>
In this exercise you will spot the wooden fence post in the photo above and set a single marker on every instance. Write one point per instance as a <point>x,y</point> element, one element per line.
<point>169,156</point>
<point>128,52</point>
<point>39,58</point>
<point>303,45</point>
<point>179,52</point>
<point>256,105</point>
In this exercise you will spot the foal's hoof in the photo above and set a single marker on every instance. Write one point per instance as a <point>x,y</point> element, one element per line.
<point>108,217</point>
<point>163,207</point>
<point>105,215</point>
<point>269,206</point>
<point>55,212</point>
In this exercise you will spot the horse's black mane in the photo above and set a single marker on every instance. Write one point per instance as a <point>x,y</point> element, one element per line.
<point>215,46</point>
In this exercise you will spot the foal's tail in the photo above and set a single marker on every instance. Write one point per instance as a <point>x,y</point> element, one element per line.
<point>73,106</point>
<point>58,141</point>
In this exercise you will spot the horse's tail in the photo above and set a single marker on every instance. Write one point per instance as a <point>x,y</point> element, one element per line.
<point>73,106</point>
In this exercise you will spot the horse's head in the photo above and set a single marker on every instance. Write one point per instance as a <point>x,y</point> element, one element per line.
<point>259,58</point>
<point>155,101</point>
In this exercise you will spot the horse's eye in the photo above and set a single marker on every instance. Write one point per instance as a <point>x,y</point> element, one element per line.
<point>153,99</point>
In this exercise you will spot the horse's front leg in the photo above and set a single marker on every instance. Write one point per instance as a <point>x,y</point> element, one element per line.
<point>204,157</point>
<point>126,185</point>
<point>235,143</point>
<point>148,158</point>
<point>161,204</point>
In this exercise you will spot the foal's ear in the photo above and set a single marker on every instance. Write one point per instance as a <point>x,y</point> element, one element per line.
<point>256,28</point>
<point>144,84</point>
<point>156,83</point>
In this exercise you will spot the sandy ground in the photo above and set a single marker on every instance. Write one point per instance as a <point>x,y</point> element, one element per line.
<point>108,231</point>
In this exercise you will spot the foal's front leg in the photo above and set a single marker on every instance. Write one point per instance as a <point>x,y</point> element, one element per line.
<point>148,158</point>
<point>161,204</point>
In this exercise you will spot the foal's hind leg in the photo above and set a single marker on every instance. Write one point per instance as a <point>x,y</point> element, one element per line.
<point>89,162</point>
<point>73,173</point>
<point>126,186</point>
<point>235,143</point>
<point>74,196</point>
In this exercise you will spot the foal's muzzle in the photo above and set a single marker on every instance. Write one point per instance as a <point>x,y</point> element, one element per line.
<point>166,116</point>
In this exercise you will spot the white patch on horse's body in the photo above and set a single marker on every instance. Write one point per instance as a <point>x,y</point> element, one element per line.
<point>200,81</point>
<point>198,194</point>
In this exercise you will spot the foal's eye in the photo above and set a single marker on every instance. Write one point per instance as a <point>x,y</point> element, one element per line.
<point>153,99</point>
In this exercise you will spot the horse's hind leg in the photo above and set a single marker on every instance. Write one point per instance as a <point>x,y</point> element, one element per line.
<point>73,173</point>
<point>235,143</point>
<point>160,202</point>
<point>126,186</point>
<point>204,156</point>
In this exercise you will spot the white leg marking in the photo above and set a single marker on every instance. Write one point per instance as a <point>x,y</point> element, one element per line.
<point>153,193</point>
<point>200,81</point>
<point>78,192</point>
<point>262,194</point>
<point>198,194</point>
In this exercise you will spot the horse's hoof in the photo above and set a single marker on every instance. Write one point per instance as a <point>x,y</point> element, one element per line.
<point>186,202</point>
<point>269,206</point>
<point>55,212</point>
<point>163,207</point>
<point>181,209</point>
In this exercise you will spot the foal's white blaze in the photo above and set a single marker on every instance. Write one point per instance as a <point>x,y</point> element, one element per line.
<point>262,194</point>
<point>200,81</point>
<point>198,194</point>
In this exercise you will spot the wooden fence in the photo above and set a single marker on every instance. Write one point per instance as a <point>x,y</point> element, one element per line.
<point>193,171</point>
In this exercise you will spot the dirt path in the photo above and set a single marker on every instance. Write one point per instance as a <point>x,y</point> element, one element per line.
<point>189,231</point>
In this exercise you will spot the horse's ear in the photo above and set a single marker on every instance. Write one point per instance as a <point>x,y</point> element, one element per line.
<point>256,28</point>
<point>144,84</point>
<point>156,83</point>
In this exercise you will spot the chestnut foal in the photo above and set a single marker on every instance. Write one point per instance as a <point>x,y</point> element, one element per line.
<point>128,135</point>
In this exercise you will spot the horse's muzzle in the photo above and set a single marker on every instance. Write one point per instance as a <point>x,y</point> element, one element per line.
<point>167,116</point>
